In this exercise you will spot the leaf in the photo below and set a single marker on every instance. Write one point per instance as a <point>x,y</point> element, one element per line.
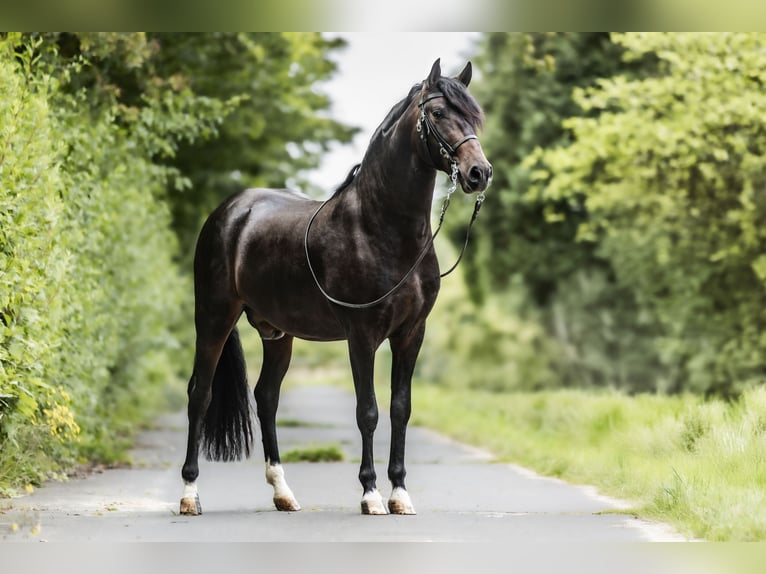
<point>759,266</point>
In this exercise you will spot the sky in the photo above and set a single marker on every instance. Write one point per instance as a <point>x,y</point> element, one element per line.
<point>375,71</point>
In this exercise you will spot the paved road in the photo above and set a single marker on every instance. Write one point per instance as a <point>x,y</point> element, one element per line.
<point>459,493</point>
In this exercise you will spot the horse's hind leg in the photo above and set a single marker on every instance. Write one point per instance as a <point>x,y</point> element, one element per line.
<point>404,350</point>
<point>213,330</point>
<point>276,360</point>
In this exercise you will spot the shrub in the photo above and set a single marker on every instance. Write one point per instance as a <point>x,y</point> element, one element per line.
<point>33,269</point>
<point>90,297</point>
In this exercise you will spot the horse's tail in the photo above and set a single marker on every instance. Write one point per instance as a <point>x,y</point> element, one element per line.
<point>227,431</point>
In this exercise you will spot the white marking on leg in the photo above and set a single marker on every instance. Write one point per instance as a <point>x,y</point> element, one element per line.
<point>190,489</point>
<point>190,500</point>
<point>400,503</point>
<point>372,503</point>
<point>283,496</point>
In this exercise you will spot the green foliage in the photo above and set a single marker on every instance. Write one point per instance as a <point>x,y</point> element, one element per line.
<point>671,169</point>
<point>626,218</point>
<point>165,85</point>
<point>33,265</point>
<point>525,258</point>
<point>278,129</point>
<point>526,88</point>
<point>88,289</point>
<point>90,295</point>
<point>490,346</point>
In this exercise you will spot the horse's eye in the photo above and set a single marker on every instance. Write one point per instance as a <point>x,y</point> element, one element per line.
<point>438,113</point>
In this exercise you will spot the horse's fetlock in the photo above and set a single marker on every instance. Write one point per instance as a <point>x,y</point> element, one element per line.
<point>190,473</point>
<point>396,474</point>
<point>367,477</point>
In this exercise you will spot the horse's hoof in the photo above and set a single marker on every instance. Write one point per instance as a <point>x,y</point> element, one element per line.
<point>283,496</point>
<point>190,506</point>
<point>286,504</point>
<point>372,503</point>
<point>400,503</point>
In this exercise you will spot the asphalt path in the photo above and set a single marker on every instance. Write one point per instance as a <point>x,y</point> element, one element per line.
<point>461,494</point>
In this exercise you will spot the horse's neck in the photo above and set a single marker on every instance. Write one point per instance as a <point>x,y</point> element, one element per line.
<point>394,186</point>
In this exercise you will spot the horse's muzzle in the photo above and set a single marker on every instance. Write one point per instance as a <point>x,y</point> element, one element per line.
<point>477,178</point>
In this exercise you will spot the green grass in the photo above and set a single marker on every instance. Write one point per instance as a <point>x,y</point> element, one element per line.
<point>295,423</point>
<point>698,465</point>
<point>317,453</point>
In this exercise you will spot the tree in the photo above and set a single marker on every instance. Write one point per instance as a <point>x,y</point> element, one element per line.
<point>526,242</point>
<point>265,87</point>
<point>91,300</point>
<point>278,128</point>
<point>526,88</point>
<point>672,169</point>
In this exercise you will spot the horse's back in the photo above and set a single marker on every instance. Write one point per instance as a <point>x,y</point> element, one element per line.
<point>270,215</point>
<point>261,199</point>
<point>249,209</point>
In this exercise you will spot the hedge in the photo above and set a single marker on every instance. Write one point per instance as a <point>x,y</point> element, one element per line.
<point>91,299</point>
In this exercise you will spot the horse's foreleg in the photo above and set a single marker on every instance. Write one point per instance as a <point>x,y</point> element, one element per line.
<point>276,360</point>
<point>362,354</point>
<point>404,350</point>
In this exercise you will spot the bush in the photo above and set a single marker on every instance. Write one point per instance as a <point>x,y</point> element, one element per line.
<point>490,346</point>
<point>90,297</point>
<point>670,168</point>
<point>35,410</point>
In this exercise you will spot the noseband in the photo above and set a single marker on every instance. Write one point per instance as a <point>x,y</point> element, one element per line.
<point>446,150</point>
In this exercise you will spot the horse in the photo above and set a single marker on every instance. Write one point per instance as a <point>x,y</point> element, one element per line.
<point>324,271</point>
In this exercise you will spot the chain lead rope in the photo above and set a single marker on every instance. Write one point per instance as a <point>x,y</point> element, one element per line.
<point>395,288</point>
<point>477,206</point>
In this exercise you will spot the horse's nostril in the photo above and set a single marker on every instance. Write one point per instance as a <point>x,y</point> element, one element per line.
<point>474,174</point>
<point>489,172</point>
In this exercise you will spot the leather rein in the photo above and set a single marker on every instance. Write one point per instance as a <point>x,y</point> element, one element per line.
<point>426,128</point>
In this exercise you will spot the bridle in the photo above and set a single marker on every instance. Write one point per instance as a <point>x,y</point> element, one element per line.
<point>425,128</point>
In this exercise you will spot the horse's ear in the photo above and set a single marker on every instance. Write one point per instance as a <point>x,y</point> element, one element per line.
<point>464,77</point>
<point>436,73</point>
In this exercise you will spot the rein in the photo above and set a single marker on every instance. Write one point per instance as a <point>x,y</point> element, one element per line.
<point>447,151</point>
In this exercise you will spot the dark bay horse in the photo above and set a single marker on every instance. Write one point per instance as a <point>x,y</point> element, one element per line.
<point>255,255</point>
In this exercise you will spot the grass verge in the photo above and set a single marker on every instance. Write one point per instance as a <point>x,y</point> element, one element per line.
<point>698,465</point>
<point>317,453</point>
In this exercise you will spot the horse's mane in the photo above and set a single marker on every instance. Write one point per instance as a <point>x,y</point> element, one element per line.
<point>455,93</point>
<point>349,178</point>
<point>397,111</point>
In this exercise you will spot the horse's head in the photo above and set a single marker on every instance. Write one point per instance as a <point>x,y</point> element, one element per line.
<point>448,118</point>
